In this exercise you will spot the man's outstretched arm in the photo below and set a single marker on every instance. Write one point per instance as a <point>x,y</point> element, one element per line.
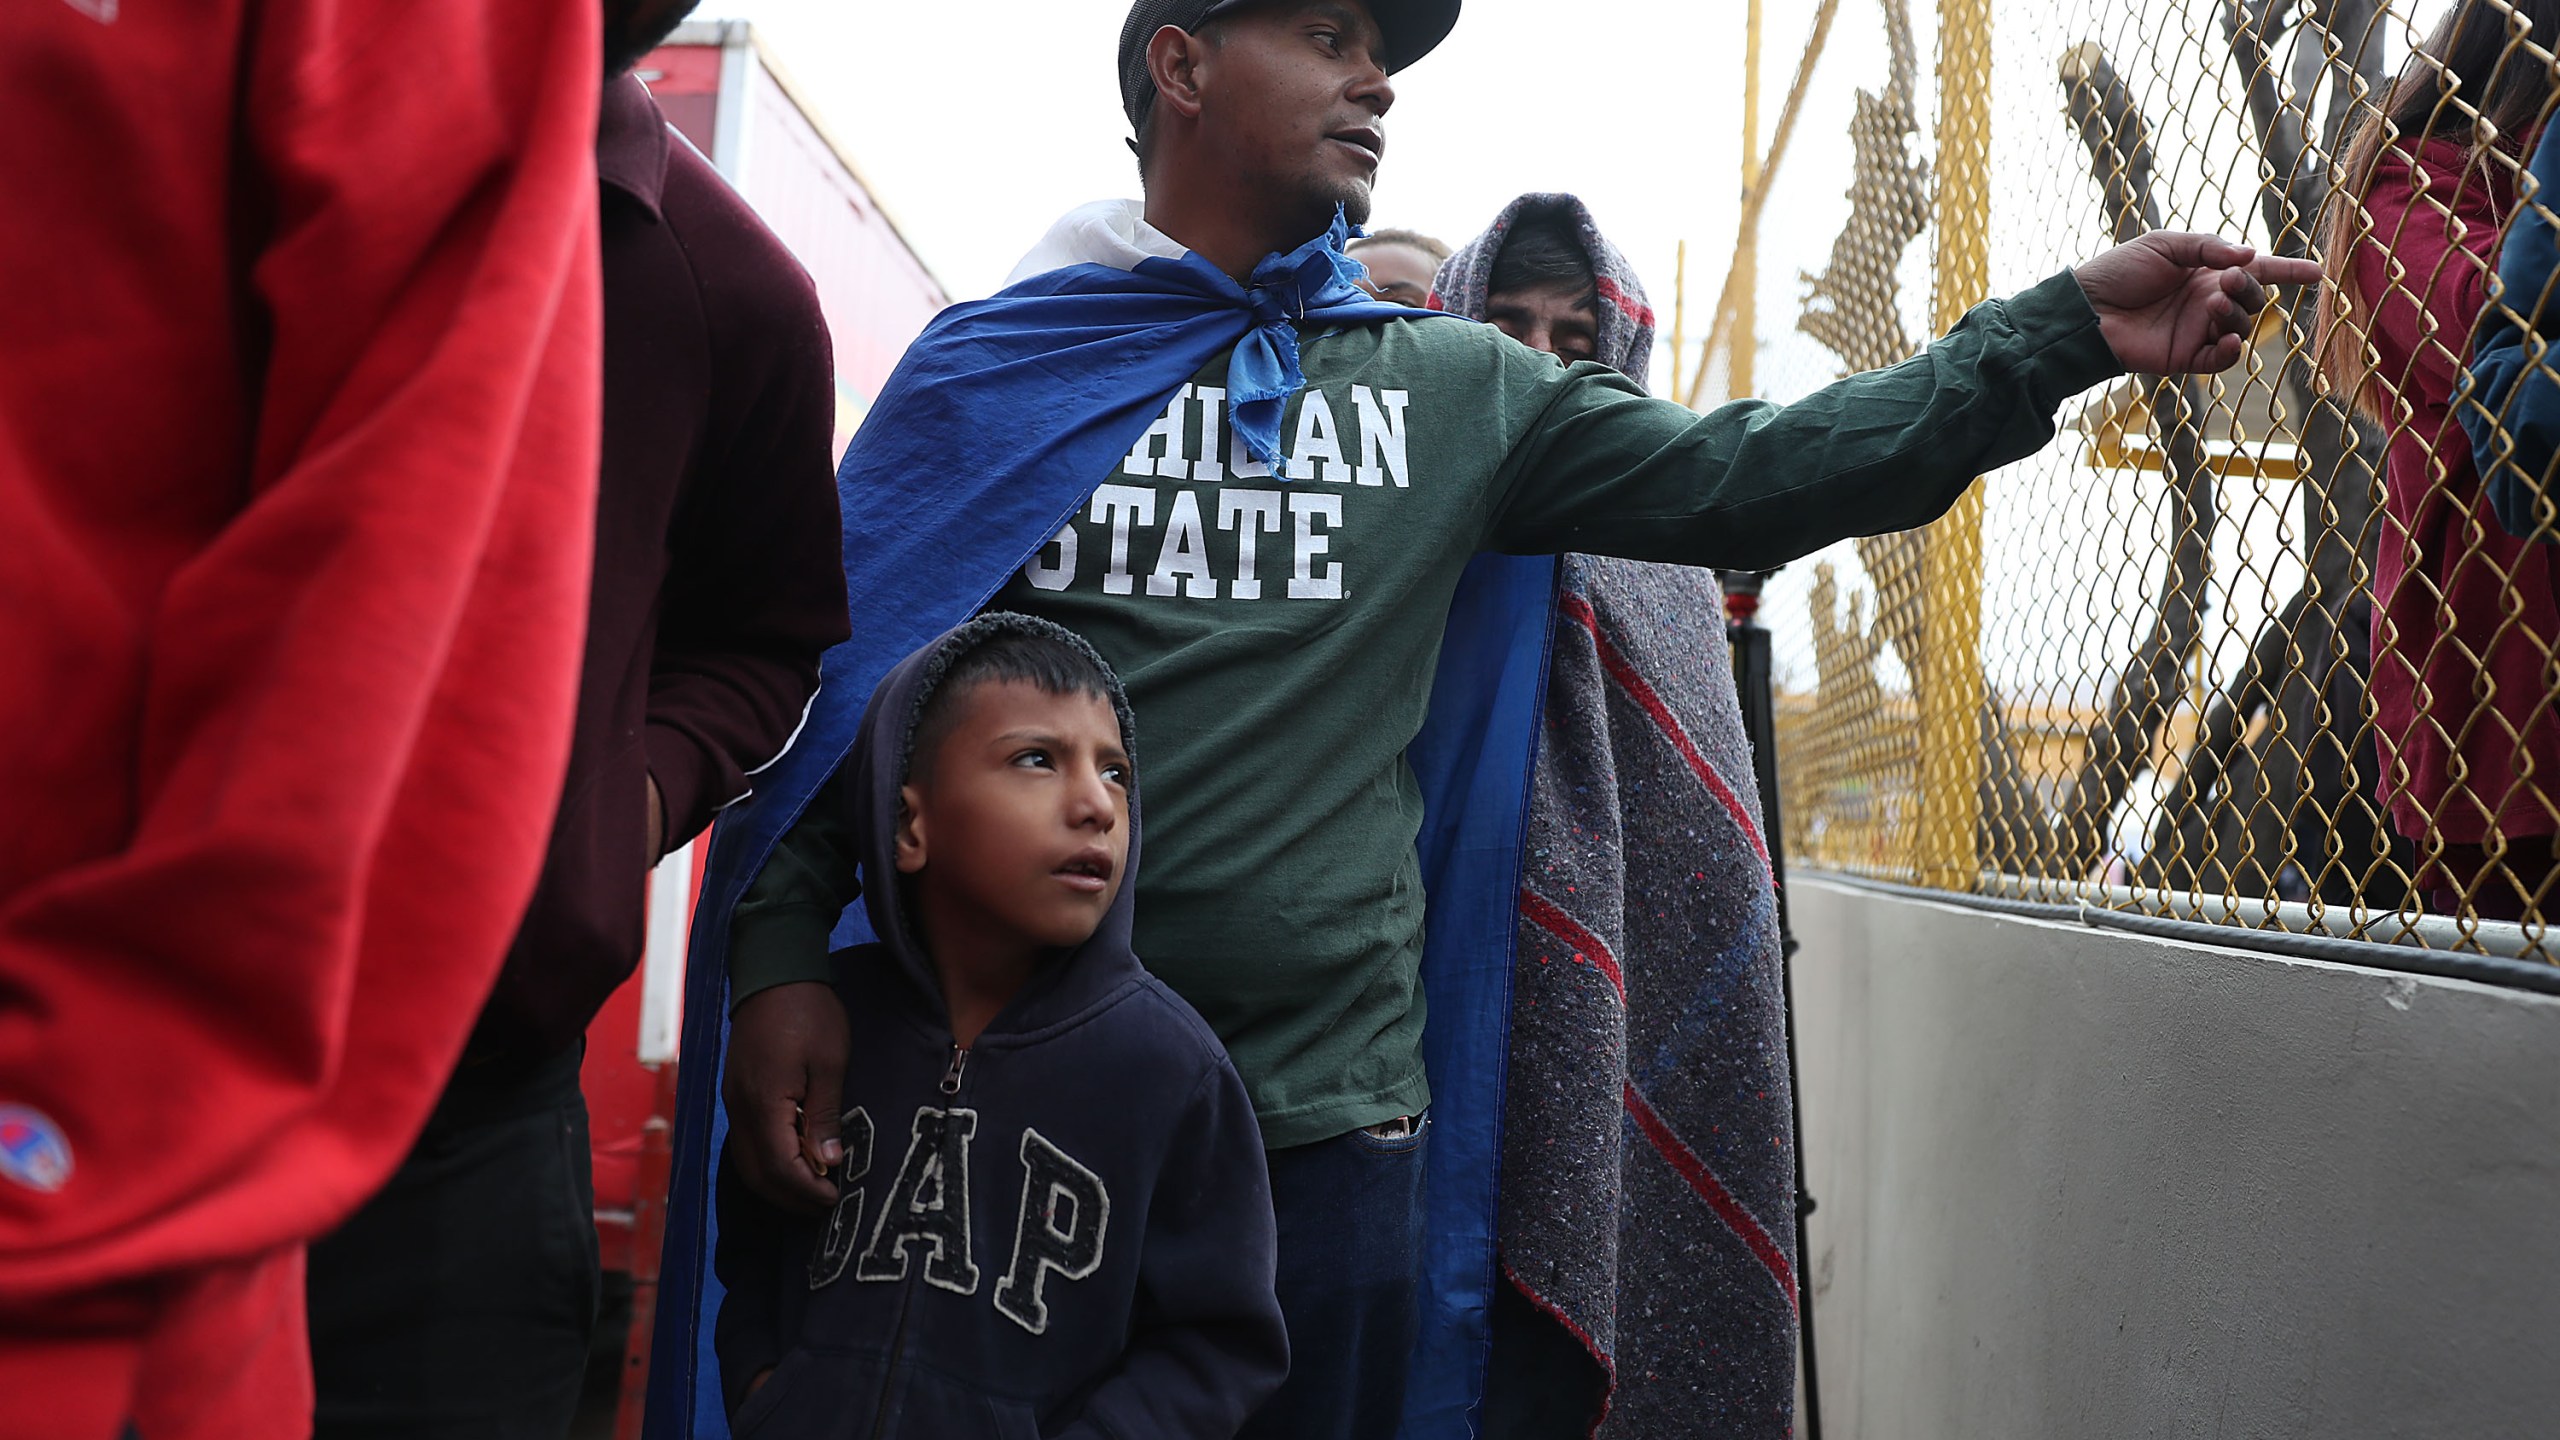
<point>1608,470</point>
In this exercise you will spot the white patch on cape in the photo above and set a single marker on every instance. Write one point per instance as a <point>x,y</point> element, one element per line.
<point>1106,232</point>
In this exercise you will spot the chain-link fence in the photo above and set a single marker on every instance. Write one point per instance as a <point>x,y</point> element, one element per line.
<point>2252,648</point>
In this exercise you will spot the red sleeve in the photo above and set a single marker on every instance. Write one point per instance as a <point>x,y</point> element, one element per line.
<point>342,699</point>
<point>2425,269</point>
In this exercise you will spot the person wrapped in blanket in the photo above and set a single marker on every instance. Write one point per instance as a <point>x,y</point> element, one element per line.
<point>1054,1218</point>
<point>1647,983</point>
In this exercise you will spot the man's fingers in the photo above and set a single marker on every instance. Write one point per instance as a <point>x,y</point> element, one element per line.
<point>2244,290</point>
<point>822,1129</point>
<point>770,1154</point>
<point>786,1051</point>
<point>2283,270</point>
<point>772,1158</point>
<point>2192,248</point>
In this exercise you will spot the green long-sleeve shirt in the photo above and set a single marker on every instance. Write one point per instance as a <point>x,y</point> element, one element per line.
<point>1278,640</point>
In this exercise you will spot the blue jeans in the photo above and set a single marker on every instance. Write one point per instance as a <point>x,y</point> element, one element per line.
<point>1350,1213</point>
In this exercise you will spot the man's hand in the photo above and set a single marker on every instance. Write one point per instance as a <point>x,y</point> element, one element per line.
<point>657,823</point>
<point>2171,302</point>
<point>785,1089</point>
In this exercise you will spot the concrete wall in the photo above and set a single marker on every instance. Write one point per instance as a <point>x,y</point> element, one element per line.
<point>2082,1184</point>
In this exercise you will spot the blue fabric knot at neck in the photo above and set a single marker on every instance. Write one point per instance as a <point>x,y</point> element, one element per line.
<point>1264,373</point>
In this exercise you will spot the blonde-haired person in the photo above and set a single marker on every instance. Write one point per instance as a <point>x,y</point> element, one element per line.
<point>2465,617</point>
<point>1401,264</point>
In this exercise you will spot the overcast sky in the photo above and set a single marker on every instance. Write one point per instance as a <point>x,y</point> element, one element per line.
<point>980,124</point>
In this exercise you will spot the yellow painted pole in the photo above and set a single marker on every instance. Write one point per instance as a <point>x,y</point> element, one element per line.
<point>1740,382</point>
<point>1679,316</point>
<point>1722,320</point>
<point>1949,681</point>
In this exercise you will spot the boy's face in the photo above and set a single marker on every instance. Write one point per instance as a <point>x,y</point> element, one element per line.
<point>1017,825</point>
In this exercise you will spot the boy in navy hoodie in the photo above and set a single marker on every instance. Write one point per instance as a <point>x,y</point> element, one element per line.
<point>1055,1219</point>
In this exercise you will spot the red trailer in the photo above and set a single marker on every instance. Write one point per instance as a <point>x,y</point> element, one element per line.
<point>722,90</point>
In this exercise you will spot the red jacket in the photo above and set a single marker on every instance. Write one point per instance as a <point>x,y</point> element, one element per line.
<point>2464,614</point>
<point>298,437</point>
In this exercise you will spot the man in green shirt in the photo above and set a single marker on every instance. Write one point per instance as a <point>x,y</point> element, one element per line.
<point>1278,634</point>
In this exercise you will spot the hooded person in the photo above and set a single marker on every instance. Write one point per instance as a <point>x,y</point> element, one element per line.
<point>1058,1224</point>
<point>1646,1215</point>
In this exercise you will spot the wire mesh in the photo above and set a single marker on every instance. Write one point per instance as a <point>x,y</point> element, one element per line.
<point>2250,648</point>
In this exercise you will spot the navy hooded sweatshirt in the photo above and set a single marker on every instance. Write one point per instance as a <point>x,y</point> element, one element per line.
<point>1064,1231</point>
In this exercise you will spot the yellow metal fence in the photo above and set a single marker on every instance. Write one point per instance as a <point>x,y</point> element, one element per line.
<point>2249,648</point>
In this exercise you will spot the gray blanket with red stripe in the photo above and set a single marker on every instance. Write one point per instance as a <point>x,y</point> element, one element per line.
<point>1647,1221</point>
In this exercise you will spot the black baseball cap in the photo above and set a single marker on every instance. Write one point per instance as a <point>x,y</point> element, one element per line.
<point>1412,29</point>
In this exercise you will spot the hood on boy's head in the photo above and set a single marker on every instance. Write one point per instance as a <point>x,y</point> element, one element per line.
<point>1626,320</point>
<point>884,755</point>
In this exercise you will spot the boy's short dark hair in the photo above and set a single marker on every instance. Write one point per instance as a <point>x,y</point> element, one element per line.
<point>1014,648</point>
<point>1543,251</point>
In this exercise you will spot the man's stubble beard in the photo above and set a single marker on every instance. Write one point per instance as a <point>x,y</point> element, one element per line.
<point>1317,199</point>
<point>1354,198</point>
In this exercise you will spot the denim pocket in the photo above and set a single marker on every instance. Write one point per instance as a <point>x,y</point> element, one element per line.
<point>1395,1145</point>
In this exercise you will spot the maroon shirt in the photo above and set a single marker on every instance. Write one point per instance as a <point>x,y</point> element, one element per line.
<point>718,581</point>
<point>2464,614</point>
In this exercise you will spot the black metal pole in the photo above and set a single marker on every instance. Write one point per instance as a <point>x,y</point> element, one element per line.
<point>1753,681</point>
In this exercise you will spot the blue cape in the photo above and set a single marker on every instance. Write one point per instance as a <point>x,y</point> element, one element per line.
<point>993,431</point>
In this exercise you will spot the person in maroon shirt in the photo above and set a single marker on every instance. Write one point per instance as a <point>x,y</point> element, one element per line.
<point>2465,616</point>
<point>461,1299</point>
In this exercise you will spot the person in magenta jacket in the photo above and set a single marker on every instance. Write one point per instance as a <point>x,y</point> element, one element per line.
<point>2465,617</point>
